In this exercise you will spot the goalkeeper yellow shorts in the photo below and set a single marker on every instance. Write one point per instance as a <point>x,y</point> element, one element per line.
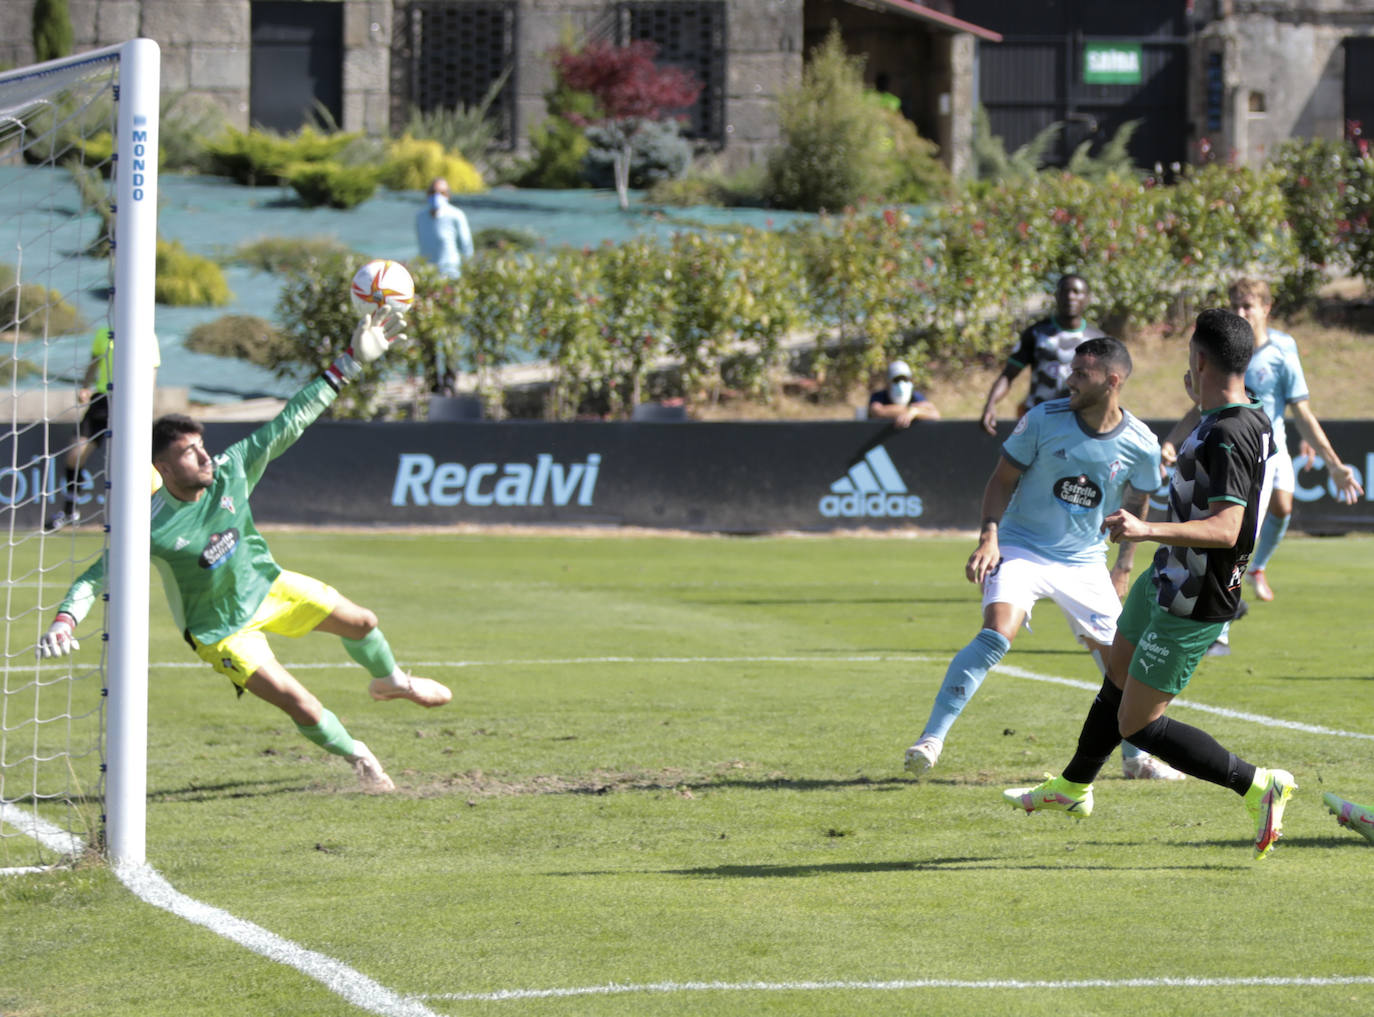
<point>294,605</point>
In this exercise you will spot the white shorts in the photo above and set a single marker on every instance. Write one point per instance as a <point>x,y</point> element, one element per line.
<point>1279,475</point>
<point>1083,592</point>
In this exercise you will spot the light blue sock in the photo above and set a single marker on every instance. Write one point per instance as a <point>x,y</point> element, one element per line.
<point>966,672</point>
<point>1271,532</point>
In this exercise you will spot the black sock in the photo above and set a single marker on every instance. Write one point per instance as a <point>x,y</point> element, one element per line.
<point>69,490</point>
<point>1195,752</point>
<point>1099,737</point>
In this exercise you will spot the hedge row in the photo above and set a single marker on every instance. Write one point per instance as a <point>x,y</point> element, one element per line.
<point>945,289</point>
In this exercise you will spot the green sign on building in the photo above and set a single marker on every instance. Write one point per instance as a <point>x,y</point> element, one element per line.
<point>1111,63</point>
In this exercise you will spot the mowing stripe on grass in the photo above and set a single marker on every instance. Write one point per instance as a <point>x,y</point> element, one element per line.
<point>868,658</point>
<point>148,885</point>
<point>898,985</point>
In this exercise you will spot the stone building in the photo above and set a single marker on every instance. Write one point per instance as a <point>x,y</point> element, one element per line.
<point>1206,78</point>
<point>368,62</point>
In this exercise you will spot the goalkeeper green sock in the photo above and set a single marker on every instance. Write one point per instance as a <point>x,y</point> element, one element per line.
<point>372,652</point>
<point>329,734</point>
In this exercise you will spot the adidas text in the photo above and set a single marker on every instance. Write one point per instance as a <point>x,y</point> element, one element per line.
<point>422,481</point>
<point>873,489</point>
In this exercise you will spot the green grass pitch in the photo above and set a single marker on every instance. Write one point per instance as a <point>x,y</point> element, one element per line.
<point>673,766</point>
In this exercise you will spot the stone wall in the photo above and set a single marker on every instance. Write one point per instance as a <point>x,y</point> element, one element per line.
<point>1284,71</point>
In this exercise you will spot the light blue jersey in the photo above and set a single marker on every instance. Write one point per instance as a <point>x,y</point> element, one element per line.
<point>1073,479</point>
<point>1276,379</point>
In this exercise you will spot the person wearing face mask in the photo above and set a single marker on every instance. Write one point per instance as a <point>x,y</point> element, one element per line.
<point>442,230</point>
<point>1047,348</point>
<point>900,402</point>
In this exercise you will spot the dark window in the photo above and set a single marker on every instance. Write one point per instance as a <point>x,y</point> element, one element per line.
<point>451,56</point>
<point>1359,88</point>
<point>691,36</point>
<point>296,64</point>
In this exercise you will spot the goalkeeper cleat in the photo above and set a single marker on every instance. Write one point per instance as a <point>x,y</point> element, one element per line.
<point>61,520</point>
<point>370,773</point>
<point>425,691</point>
<point>1148,767</point>
<point>1053,793</point>
<point>1261,584</point>
<point>1352,816</point>
<point>1265,800</point>
<point>923,755</point>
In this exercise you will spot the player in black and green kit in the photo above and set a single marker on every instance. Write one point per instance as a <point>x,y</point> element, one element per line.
<point>223,586</point>
<point>1176,608</point>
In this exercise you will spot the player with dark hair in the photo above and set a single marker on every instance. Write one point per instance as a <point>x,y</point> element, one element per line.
<point>1047,348</point>
<point>1177,607</point>
<point>222,584</point>
<point>1068,464</point>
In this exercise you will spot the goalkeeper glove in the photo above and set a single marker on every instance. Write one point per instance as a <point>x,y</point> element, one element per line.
<point>375,332</point>
<point>58,641</point>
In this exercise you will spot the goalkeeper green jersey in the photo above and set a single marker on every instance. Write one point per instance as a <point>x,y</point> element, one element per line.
<point>216,568</point>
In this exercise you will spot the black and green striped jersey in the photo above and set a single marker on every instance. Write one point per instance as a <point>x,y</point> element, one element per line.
<point>216,567</point>
<point>1220,463</point>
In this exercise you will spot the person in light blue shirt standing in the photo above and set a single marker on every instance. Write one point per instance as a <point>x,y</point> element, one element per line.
<point>1067,465</point>
<point>442,231</point>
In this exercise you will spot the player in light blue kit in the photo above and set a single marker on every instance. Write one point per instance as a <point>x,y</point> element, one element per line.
<point>1275,378</point>
<point>1068,464</point>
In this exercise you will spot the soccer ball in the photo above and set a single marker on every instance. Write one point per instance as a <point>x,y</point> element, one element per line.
<point>382,282</point>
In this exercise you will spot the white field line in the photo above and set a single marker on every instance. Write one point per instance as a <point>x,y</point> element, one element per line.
<point>899,985</point>
<point>868,658</point>
<point>150,887</point>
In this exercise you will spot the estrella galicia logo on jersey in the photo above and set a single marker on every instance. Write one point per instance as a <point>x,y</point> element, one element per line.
<point>219,549</point>
<point>871,489</point>
<point>1079,494</point>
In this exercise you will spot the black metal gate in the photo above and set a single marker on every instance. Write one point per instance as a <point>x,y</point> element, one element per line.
<point>691,36</point>
<point>449,55</point>
<point>1035,76</point>
<point>296,63</point>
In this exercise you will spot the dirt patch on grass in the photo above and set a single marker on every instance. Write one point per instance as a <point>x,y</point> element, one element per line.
<point>476,784</point>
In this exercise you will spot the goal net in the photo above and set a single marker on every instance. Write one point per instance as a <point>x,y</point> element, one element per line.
<point>78,200</point>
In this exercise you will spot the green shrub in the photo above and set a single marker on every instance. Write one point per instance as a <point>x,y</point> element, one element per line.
<point>467,130</point>
<point>265,157</point>
<point>188,280</point>
<point>186,126</point>
<point>280,254</point>
<point>558,145</point>
<point>658,151</point>
<point>842,144</point>
<point>411,163</point>
<point>505,238</point>
<point>241,336</point>
<point>708,184</point>
<point>328,183</point>
<point>52,30</point>
<point>35,309</point>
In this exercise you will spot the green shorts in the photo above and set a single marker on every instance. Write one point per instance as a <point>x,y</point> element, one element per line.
<point>1167,648</point>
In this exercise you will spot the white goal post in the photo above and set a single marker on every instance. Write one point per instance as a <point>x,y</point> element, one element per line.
<point>53,118</point>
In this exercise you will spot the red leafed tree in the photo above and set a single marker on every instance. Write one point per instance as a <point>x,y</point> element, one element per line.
<point>629,89</point>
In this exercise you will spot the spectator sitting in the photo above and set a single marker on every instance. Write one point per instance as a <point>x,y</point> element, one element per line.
<point>900,402</point>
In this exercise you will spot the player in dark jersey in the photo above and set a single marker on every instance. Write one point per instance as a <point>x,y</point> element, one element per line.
<point>1047,348</point>
<point>1177,607</point>
<point>223,585</point>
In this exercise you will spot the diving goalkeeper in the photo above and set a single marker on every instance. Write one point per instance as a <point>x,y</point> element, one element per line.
<point>222,584</point>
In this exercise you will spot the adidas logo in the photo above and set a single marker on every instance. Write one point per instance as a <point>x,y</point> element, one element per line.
<point>872,488</point>
<point>180,543</point>
<point>1059,453</point>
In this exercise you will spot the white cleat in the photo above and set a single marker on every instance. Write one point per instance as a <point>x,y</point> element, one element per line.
<point>370,773</point>
<point>425,691</point>
<point>1148,767</point>
<point>923,755</point>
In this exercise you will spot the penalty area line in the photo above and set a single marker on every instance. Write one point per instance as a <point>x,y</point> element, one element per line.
<point>906,985</point>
